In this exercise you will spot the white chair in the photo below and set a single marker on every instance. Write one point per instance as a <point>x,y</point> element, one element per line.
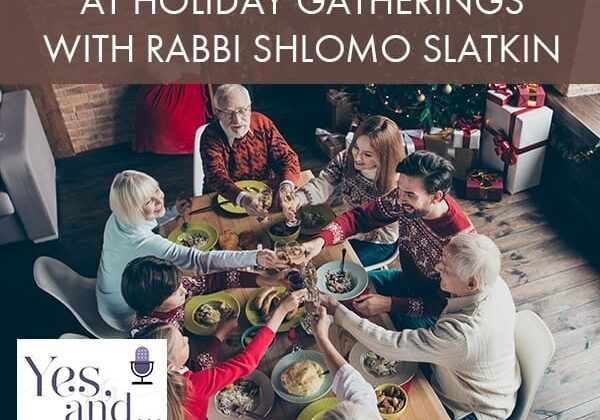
<point>535,347</point>
<point>385,264</point>
<point>76,292</point>
<point>198,169</point>
<point>70,336</point>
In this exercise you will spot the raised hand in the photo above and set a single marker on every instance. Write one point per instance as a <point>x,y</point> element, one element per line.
<point>268,259</point>
<point>371,305</point>
<point>312,248</point>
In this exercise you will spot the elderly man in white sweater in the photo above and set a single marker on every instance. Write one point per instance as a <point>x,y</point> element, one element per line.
<point>471,347</point>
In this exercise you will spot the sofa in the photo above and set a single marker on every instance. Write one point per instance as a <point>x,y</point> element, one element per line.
<point>28,209</point>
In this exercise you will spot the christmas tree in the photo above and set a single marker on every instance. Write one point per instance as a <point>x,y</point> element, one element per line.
<point>423,106</point>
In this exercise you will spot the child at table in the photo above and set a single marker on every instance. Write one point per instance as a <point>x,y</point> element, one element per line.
<point>188,392</point>
<point>156,289</point>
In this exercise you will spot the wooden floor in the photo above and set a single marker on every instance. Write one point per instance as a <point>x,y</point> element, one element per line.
<point>548,261</point>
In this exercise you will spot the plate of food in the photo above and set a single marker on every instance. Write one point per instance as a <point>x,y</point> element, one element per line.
<point>378,370</point>
<point>239,240</point>
<point>263,302</point>
<point>316,409</point>
<point>250,186</point>
<point>314,218</point>
<point>342,286</point>
<point>203,313</point>
<point>301,377</point>
<point>251,393</point>
<point>199,235</point>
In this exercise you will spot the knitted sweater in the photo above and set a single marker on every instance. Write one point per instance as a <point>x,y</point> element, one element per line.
<point>204,384</point>
<point>471,348</point>
<point>421,243</point>
<point>357,189</point>
<point>123,242</point>
<point>262,154</point>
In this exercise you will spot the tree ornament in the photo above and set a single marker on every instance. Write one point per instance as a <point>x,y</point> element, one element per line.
<point>447,89</point>
<point>420,97</point>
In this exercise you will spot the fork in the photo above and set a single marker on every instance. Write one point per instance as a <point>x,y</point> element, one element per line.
<point>240,411</point>
<point>185,225</point>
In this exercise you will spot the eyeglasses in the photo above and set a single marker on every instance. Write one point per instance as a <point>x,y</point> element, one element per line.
<point>240,112</point>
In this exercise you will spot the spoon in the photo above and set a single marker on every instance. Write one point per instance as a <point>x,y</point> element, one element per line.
<point>342,265</point>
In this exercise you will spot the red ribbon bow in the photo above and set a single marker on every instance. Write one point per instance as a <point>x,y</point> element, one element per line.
<point>504,149</point>
<point>499,88</point>
<point>467,126</point>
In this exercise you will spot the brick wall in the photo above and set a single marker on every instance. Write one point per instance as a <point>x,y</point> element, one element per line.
<point>97,115</point>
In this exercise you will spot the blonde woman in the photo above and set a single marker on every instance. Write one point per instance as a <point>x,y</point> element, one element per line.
<point>366,170</point>
<point>137,205</point>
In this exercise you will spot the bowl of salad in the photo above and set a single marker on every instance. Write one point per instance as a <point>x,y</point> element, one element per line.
<point>340,285</point>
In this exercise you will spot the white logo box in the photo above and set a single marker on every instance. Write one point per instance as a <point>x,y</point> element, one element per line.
<point>91,379</point>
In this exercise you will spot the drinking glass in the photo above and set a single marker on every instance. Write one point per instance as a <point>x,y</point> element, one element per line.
<point>280,249</point>
<point>289,201</point>
<point>265,200</point>
<point>295,253</point>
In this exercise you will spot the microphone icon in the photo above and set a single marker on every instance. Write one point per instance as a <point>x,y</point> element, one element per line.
<point>142,366</point>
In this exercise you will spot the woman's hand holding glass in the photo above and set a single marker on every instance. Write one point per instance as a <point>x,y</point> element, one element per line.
<point>289,204</point>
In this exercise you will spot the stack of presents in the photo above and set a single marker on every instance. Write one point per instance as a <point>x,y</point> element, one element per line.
<point>504,151</point>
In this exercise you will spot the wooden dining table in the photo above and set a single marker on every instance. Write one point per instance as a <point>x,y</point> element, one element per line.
<point>423,403</point>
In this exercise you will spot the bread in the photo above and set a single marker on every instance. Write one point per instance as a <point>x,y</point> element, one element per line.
<point>229,241</point>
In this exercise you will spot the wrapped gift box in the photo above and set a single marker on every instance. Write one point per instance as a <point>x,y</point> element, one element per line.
<point>351,131</point>
<point>499,94</point>
<point>342,107</point>
<point>514,142</point>
<point>467,135</point>
<point>529,96</point>
<point>413,140</point>
<point>464,161</point>
<point>330,141</point>
<point>437,140</point>
<point>484,185</point>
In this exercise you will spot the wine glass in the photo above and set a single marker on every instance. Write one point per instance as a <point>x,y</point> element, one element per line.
<point>265,200</point>
<point>295,253</point>
<point>289,202</point>
<point>313,296</point>
<point>280,249</point>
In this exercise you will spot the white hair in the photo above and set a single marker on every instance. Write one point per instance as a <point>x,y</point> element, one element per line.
<point>223,91</point>
<point>129,191</point>
<point>348,410</point>
<point>476,256</point>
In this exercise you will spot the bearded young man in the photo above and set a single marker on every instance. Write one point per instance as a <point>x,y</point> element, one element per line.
<point>428,218</point>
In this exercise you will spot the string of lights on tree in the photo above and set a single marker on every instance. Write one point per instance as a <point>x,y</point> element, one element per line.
<point>423,106</point>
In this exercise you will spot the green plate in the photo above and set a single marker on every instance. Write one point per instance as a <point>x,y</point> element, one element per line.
<point>252,187</point>
<point>323,210</point>
<point>255,317</point>
<point>315,410</point>
<point>213,300</point>
<point>204,229</point>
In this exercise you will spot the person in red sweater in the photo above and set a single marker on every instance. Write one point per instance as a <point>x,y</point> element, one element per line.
<point>188,391</point>
<point>427,219</point>
<point>243,145</point>
<point>157,290</point>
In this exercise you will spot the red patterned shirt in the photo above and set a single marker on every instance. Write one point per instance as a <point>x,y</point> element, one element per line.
<point>200,285</point>
<point>421,244</point>
<point>262,154</point>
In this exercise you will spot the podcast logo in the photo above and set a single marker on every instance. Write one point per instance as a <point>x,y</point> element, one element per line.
<point>89,379</point>
<point>142,366</point>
